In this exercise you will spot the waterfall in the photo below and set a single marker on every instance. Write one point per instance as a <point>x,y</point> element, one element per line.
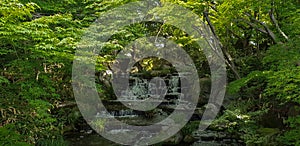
<point>174,84</point>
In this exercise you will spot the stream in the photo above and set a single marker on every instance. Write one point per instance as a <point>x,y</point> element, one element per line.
<point>140,90</point>
<point>88,137</point>
<point>207,138</point>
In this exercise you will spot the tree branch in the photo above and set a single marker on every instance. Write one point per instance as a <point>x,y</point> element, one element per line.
<point>228,58</point>
<point>268,30</point>
<point>234,34</point>
<point>253,25</point>
<point>66,104</point>
<point>274,21</point>
<point>205,13</point>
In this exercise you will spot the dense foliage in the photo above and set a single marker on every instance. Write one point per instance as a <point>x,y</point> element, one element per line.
<point>260,40</point>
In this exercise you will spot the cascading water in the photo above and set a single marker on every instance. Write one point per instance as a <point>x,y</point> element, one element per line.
<point>118,114</point>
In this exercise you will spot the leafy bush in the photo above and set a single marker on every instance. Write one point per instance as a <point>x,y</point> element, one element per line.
<point>275,89</point>
<point>10,137</point>
<point>292,136</point>
<point>52,142</point>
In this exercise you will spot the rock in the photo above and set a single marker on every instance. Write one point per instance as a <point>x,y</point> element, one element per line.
<point>189,139</point>
<point>222,135</point>
<point>199,111</point>
<point>227,141</point>
<point>205,87</point>
<point>211,111</point>
<point>89,131</point>
<point>206,143</point>
<point>68,129</point>
<point>209,136</point>
<point>206,135</point>
<point>168,123</point>
<point>174,140</point>
<point>203,99</point>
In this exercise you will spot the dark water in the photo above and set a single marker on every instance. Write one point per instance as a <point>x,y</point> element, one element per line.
<point>94,139</point>
<point>82,139</point>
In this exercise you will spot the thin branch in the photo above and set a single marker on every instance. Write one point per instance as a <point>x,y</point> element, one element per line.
<point>160,29</point>
<point>205,13</point>
<point>66,104</point>
<point>269,32</point>
<point>16,52</point>
<point>228,58</point>
<point>234,34</point>
<point>271,13</point>
<point>252,25</point>
<point>37,75</point>
<point>214,8</point>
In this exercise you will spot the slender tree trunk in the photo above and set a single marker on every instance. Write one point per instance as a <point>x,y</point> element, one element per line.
<point>228,59</point>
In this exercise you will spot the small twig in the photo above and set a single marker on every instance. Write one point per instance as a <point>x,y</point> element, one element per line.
<point>66,104</point>
<point>37,75</point>
<point>160,29</point>
<point>16,52</point>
